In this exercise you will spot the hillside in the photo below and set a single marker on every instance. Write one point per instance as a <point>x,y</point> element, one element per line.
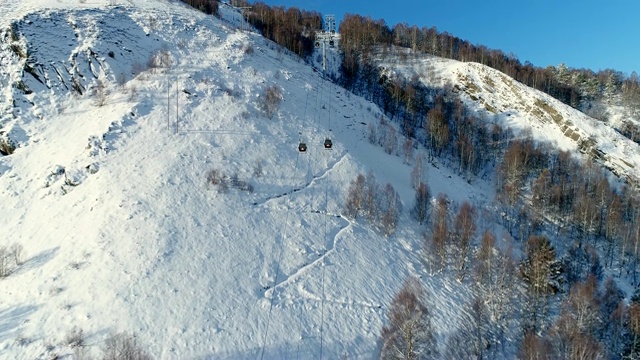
<point>156,188</point>
<point>510,104</point>
<point>122,232</point>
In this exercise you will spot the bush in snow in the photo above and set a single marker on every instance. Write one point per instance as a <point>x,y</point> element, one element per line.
<point>258,168</point>
<point>216,178</point>
<point>7,254</point>
<point>123,346</point>
<point>100,93</point>
<point>160,59</point>
<point>16,250</point>
<point>271,100</point>
<point>4,262</point>
<point>75,338</point>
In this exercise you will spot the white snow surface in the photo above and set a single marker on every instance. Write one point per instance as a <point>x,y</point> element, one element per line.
<point>121,231</point>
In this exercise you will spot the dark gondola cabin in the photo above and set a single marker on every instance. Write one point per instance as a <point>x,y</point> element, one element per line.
<point>328,144</point>
<point>302,147</point>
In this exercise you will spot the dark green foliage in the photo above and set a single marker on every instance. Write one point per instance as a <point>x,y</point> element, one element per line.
<point>540,269</point>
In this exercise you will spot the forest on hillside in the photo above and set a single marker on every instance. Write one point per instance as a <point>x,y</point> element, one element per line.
<point>361,37</point>
<point>552,288</point>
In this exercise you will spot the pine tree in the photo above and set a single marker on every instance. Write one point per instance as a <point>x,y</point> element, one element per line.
<point>420,208</point>
<point>542,272</point>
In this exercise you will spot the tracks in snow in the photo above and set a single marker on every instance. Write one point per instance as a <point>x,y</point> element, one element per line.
<point>305,186</point>
<point>317,262</point>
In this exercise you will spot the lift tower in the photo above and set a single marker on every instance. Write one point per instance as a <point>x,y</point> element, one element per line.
<point>326,36</point>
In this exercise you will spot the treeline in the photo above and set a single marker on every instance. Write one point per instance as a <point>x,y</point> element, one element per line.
<point>592,323</point>
<point>362,35</point>
<point>207,6</point>
<point>446,130</point>
<point>295,30</point>
<point>291,28</point>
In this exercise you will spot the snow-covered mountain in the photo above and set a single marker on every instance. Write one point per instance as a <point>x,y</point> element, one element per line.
<point>120,228</point>
<point>123,112</point>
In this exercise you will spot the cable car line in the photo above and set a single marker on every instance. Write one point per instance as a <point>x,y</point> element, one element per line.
<point>275,280</point>
<point>302,148</point>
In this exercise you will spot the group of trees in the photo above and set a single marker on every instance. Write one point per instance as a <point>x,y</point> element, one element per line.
<point>539,190</point>
<point>380,205</point>
<point>447,131</point>
<point>594,323</point>
<point>362,35</point>
<point>207,6</point>
<point>538,184</point>
<point>291,28</point>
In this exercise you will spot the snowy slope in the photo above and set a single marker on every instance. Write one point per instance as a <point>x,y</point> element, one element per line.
<point>120,229</point>
<point>513,105</point>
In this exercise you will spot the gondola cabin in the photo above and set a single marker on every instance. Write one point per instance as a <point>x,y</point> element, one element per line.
<point>302,147</point>
<point>328,144</point>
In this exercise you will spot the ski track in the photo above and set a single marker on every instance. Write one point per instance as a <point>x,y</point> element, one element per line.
<point>307,185</point>
<point>321,259</point>
<point>343,303</point>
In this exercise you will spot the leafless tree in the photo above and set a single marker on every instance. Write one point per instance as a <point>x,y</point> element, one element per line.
<point>409,333</point>
<point>372,134</point>
<point>391,210</point>
<point>371,197</point>
<point>464,231</point>
<point>471,340</point>
<point>100,92</point>
<point>440,230</point>
<point>439,131</point>
<point>534,347</point>
<point>417,172</point>
<point>390,142</point>
<point>4,262</point>
<point>355,197</point>
<point>407,148</point>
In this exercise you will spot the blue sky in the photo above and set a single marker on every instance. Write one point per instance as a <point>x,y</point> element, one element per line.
<point>594,34</point>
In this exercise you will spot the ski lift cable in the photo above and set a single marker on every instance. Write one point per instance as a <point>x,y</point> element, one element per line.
<point>324,244</point>
<point>329,109</point>
<point>275,280</point>
<point>300,326</point>
<point>324,265</point>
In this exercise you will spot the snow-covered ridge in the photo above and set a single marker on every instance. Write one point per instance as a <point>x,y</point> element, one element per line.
<point>511,104</point>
